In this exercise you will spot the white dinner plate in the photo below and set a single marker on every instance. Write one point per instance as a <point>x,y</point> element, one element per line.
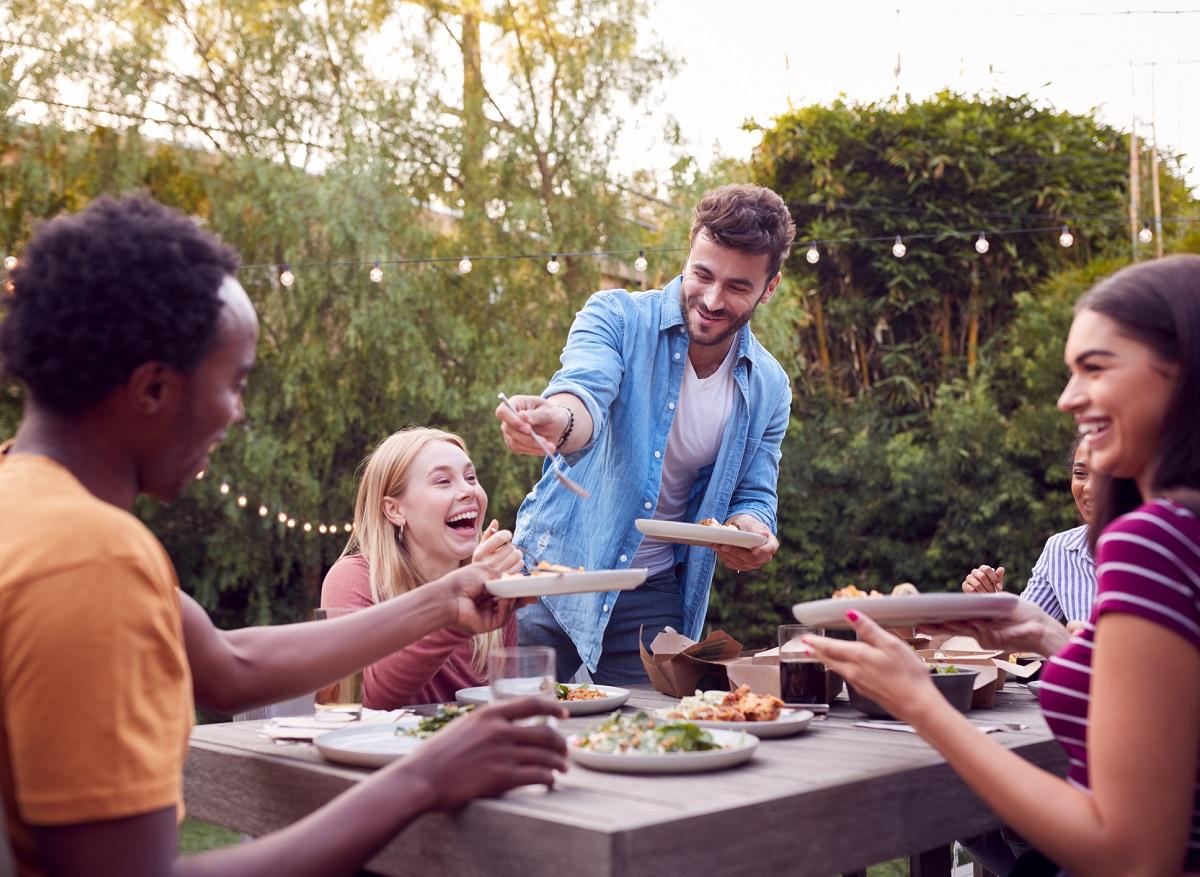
<point>906,611</point>
<point>555,583</point>
<point>613,698</point>
<point>790,721</point>
<point>741,749</point>
<point>698,534</point>
<point>371,745</point>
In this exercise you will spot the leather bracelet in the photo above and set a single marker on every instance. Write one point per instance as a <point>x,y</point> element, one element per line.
<point>562,439</point>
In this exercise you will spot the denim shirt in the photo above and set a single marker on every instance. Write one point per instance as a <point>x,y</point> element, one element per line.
<point>624,359</point>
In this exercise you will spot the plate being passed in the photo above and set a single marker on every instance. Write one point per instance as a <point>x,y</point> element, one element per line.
<point>740,749</point>
<point>554,583</point>
<point>613,698</point>
<point>790,721</point>
<point>698,534</point>
<point>907,611</point>
<point>371,745</point>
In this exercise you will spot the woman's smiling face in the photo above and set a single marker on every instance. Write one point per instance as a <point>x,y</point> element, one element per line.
<point>1119,391</point>
<point>443,506</point>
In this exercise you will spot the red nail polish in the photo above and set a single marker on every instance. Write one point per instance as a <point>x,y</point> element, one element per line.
<point>852,615</point>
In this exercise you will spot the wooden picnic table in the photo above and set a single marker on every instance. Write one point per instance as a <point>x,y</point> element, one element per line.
<point>832,800</point>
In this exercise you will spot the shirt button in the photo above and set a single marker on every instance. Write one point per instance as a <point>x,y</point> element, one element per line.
<point>671,405</point>
<point>622,558</point>
<point>648,505</point>
<point>657,455</point>
<point>676,357</point>
<point>605,609</point>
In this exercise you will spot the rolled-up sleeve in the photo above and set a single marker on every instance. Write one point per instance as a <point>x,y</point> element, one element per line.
<point>593,361</point>
<point>757,493</point>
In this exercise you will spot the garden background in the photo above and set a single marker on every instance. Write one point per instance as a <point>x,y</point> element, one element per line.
<point>924,438</point>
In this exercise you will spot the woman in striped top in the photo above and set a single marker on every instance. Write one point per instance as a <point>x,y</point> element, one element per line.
<point>1123,695</point>
<point>1063,581</point>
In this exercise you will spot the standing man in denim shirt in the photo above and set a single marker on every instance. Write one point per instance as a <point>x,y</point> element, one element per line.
<point>666,406</point>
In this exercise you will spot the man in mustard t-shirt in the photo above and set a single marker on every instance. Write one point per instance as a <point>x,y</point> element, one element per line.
<point>134,341</point>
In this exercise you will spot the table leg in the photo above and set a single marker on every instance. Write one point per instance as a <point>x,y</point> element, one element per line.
<point>937,862</point>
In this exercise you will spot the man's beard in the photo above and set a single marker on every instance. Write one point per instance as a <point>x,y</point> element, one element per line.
<point>725,335</point>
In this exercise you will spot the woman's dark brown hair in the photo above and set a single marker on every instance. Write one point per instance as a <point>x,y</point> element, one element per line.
<point>1158,304</point>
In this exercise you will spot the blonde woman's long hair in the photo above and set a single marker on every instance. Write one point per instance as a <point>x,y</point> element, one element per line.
<point>386,472</point>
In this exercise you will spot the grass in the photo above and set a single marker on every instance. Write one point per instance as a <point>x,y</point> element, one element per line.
<point>196,836</point>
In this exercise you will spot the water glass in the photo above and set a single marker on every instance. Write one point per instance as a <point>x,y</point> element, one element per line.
<point>802,678</point>
<point>522,671</point>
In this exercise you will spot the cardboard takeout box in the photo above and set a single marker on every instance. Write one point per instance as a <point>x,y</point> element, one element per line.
<point>993,667</point>
<point>678,666</point>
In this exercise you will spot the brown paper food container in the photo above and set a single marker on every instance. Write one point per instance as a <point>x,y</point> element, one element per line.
<point>991,676</point>
<point>679,666</point>
<point>759,670</point>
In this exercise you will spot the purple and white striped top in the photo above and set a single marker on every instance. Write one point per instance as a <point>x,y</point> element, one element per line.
<point>1063,581</point>
<point>1148,565</point>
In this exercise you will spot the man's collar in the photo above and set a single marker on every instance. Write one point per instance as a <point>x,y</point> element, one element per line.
<point>670,314</point>
<point>1076,539</point>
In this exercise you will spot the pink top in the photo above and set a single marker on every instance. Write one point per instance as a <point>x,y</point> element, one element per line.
<point>430,670</point>
<point>1148,565</point>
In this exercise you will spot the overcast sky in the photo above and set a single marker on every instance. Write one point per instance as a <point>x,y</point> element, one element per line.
<point>750,58</point>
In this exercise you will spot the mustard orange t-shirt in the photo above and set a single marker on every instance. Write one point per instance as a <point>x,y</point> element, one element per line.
<point>95,690</point>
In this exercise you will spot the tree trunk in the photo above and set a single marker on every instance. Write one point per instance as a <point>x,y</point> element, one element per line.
<point>973,325</point>
<point>475,125</point>
<point>822,341</point>
<point>947,342</point>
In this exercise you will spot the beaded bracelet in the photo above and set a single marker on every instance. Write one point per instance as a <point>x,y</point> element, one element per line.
<point>562,439</point>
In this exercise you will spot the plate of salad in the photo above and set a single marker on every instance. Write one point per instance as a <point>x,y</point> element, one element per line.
<point>580,699</point>
<point>376,743</point>
<point>642,743</point>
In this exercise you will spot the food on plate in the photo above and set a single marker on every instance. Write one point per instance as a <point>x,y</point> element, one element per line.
<point>713,522</point>
<point>579,692</point>
<point>943,668</point>
<point>642,734</point>
<point>430,725</point>
<point>852,591</point>
<point>904,589</point>
<point>544,567</point>
<point>741,705</point>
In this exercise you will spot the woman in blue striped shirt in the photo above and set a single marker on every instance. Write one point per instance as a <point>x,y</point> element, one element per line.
<point>1063,581</point>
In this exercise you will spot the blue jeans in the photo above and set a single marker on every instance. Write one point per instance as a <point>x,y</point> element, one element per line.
<point>653,605</point>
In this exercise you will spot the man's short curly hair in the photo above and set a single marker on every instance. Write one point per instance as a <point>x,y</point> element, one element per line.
<point>100,292</point>
<point>749,218</point>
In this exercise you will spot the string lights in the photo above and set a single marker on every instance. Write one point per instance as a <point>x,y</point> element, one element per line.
<point>813,256</point>
<point>10,262</point>
<point>376,274</point>
<point>981,244</point>
<point>898,248</point>
<point>1065,238</point>
<point>286,277</point>
<point>553,266</point>
<point>284,519</point>
<point>464,265</point>
<point>640,264</point>
<point>1145,235</point>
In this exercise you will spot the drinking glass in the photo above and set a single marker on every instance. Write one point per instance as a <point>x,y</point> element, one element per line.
<point>802,678</point>
<point>343,697</point>
<point>522,671</point>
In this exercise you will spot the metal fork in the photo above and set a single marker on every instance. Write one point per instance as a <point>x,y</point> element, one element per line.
<point>556,460</point>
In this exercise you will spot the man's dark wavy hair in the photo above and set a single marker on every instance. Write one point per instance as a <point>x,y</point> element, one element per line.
<point>752,219</point>
<point>1157,304</point>
<point>98,293</point>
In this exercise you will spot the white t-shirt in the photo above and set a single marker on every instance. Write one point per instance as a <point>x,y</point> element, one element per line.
<point>695,438</point>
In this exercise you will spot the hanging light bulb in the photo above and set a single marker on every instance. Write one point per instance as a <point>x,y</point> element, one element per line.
<point>640,263</point>
<point>348,527</point>
<point>1065,238</point>
<point>200,475</point>
<point>224,488</point>
<point>10,287</point>
<point>813,256</point>
<point>291,522</point>
<point>307,527</point>
<point>10,262</point>
<point>464,265</point>
<point>1145,235</point>
<point>322,529</point>
<point>241,500</point>
<point>981,244</point>
<point>553,266</point>
<point>281,518</point>
<point>286,277</point>
<point>376,274</point>
<point>263,511</point>
<point>898,248</point>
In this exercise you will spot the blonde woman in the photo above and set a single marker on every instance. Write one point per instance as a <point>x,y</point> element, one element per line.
<point>418,516</point>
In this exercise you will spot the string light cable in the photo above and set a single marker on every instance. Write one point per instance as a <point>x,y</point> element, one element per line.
<point>284,519</point>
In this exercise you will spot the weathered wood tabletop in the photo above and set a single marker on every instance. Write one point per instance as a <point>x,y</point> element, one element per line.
<point>834,799</point>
